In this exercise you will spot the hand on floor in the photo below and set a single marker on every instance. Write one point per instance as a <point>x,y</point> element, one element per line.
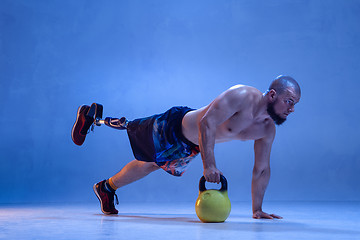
<point>260,215</point>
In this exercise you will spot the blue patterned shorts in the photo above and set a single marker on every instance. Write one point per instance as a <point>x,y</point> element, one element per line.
<point>159,139</point>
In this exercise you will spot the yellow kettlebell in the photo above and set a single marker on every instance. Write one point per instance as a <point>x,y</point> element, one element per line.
<point>213,205</point>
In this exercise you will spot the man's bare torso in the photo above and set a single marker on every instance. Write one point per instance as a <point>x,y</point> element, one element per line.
<point>248,121</point>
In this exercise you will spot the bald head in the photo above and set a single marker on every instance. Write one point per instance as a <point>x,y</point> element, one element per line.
<point>281,83</point>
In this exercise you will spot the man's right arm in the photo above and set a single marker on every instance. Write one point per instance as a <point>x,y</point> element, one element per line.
<point>207,130</point>
<point>221,109</point>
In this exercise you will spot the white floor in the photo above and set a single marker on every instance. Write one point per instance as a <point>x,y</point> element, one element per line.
<point>179,221</point>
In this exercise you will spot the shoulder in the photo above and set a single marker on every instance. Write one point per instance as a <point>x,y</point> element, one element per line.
<point>244,91</point>
<point>268,137</point>
<point>270,131</point>
<point>242,94</point>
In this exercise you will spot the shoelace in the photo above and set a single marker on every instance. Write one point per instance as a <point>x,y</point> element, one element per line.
<point>91,129</point>
<point>117,200</point>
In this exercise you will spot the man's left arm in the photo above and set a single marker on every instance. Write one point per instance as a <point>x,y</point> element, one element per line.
<point>261,174</point>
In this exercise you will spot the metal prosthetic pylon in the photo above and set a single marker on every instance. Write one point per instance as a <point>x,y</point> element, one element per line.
<point>116,123</point>
<point>96,111</point>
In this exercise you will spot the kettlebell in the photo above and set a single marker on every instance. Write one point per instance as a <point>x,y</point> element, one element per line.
<point>213,205</point>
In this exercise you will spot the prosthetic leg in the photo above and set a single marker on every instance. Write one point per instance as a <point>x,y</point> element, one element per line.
<point>116,123</point>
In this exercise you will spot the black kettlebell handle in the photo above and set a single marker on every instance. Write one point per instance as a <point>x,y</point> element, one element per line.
<point>222,180</point>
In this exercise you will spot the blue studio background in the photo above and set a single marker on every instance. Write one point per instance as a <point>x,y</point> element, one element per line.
<point>138,58</point>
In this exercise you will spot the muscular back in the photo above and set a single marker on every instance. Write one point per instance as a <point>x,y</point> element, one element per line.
<point>238,113</point>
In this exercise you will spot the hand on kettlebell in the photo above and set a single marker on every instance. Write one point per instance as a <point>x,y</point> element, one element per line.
<point>213,205</point>
<point>212,174</point>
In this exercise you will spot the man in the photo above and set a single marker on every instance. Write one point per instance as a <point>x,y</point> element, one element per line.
<point>172,139</point>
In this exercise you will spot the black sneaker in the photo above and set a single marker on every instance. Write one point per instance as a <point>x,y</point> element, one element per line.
<point>106,198</point>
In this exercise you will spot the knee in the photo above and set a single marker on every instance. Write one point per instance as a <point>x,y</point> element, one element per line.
<point>150,166</point>
<point>153,166</point>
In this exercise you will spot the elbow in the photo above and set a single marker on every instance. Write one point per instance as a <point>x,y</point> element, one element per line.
<point>204,123</point>
<point>261,172</point>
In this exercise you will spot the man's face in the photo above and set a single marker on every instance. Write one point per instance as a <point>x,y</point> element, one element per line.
<point>282,105</point>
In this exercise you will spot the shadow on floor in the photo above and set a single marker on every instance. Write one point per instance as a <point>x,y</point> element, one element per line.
<point>235,223</point>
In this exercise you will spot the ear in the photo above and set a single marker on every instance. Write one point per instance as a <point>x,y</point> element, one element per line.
<point>272,95</point>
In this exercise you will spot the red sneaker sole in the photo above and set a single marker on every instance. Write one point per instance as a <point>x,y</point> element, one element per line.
<point>73,128</point>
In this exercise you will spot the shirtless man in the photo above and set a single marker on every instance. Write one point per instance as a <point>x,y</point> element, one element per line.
<point>172,139</point>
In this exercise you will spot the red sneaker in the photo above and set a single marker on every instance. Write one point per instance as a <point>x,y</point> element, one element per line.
<point>81,126</point>
<point>106,198</point>
<point>85,118</point>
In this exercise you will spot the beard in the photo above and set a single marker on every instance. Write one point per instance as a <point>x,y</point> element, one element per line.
<point>278,120</point>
